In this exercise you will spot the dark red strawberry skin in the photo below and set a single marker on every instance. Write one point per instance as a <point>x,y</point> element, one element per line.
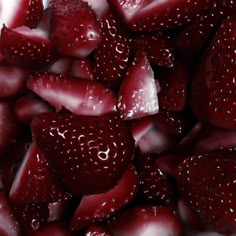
<point>207,183</point>
<point>89,154</point>
<point>214,87</point>
<point>96,230</point>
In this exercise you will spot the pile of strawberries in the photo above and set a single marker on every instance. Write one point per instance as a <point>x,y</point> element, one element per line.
<point>117,117</point>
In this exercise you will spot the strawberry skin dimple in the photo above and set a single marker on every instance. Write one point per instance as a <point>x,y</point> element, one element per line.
<point>89,154</point>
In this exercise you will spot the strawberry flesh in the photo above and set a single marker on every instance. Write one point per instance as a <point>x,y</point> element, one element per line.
<point>80,96</point>
<point>88,153</point>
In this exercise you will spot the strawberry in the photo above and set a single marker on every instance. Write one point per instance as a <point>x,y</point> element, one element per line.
<point>207,183</point>
<point>94,208</point>
<point>88,153</point>
<point>99,7</point>
<point>34,173</point>
<point>152,15</point>
<point>97,230</point>
<point>112,56</point>
<point>213,90</point>
<point>138,94</point>
<point>228,6</point>
<point>80,96</point>
<point>61,66</point>
<point>25,47</point>
<point>146,220</point>
<point>155,186</point>
<point>74,28</point>
<point>157,47</point>
<point>174,87</point>
<point>190,41</point>
<point>12,81</point>
<point>8,224</point>
<point>28,106</point>
<point>25,12</point>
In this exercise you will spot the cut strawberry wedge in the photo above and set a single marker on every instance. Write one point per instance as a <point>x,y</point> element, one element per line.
<point>96,230</point>
<point>152,15</point>
<point>157,47</point>
<point>25,47</point>
<point>29,106</point>
<point>34,174</point>
<point>99,207</point>
<point>25,12</point>
<point>146,220</point>
<point>82,97</point>
<point>8,224</point>
<point>12,81</point>
<point>138,93</point>
<point>74,28</point>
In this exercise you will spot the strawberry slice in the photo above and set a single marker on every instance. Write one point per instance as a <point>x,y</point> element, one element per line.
<point>55,229</point>
<point>25,47</point>
<point>146,220</point>
<point>152,15</point>
<point>97,230</point>
<point>213,91</point>
<point>157,47</point>
<point>61,66</point>
<point>89,153</point>
<point>80,96</point>
<point>99,7</point>
<point>99,207</point>
<point>207,183</point>
<point>155,186</point>
<point>8,224</point>
<point>74,28</point>
<point>138,93</point>
<point>112,55</point>
<point>190,42</point>
<point>25,12</point>
<point>34,174</point>
<point>29,106</point>
<point>12,81</point>
<point>174,87</point>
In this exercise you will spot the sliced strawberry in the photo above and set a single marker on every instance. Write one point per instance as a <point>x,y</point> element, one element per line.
<point>12,81</point>
<point>25,12</point>
<point>152,15</point>
<point>9,128</point>
<point>29,106</point>
<point>82,68</point>
<point>55,229</point>
<point>8,224</point>
<point>214,87</point>
<point>146,220</point>
<point>88,153</point>
<point>97,230</point>
<point>34,182</point>
<point>207,183</point>
<point>174,87</point>
<point>61,66</point>
<point>155,186</point>
<point>112,56</point>
<point>74,28</point>
<point>99,7</point>
<point>157,47</point>
<point>82,97</point>
<point>99,207</point>
<point>138,93</point>
<point>190,42</point>
<point>25,47</point>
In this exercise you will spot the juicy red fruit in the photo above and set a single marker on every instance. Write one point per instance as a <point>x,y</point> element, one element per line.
<point>88,153</point>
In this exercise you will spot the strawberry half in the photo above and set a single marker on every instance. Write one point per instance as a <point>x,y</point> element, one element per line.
<point>34,182</point>
<point>138,93</point>
<point>25,12</point>
<point>214,87</point>
<point>111,58</point>
<point>74,28</point>
<point>152,15</point>
<point>88,153</point>
<point>25,47</point>
<point>146,220</point>
<point>80,96</point>
<point>207,183</point>
<point>94,208</point>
